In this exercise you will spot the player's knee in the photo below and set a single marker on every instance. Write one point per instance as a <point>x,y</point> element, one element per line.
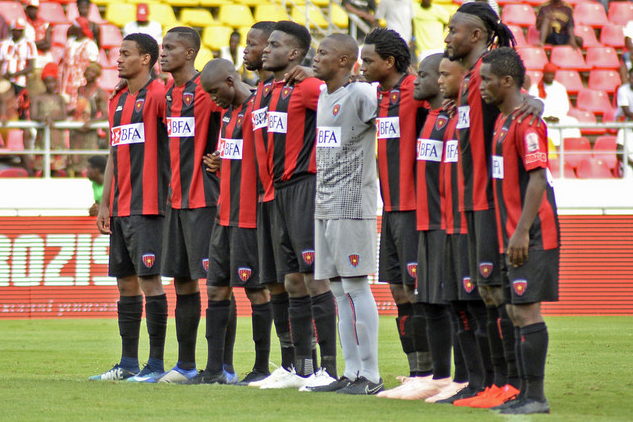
<point>276,288</point>
<point>317,287</point>
<point>129,286</point>
<point>295,285</point>
<point>186,286</point>
<point>527,314</point>
<point>216,294</point>
<point>257,296</point>
<point>152,286</point>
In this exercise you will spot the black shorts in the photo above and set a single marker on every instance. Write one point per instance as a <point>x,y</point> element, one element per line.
<point>233,258</point>
<point>430,286</point>
<point>534,281</point>
<point>457,282</point>
<point>483,248</point>
<point>267,269</point>
<point>136,245</point>
<point>293,226</point>
<point>557,38</point>
<point>398,262</point>
<point>186,242</point>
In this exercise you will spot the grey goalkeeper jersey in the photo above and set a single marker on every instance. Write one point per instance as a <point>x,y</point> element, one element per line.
<point>346,153</point>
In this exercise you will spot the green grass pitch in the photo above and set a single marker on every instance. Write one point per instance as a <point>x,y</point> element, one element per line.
<point>44,366</point>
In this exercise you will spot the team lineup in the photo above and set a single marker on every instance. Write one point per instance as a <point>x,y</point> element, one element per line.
<point>274,190</point>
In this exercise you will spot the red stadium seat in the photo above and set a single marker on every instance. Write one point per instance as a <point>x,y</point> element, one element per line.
<point>518,36</point>
<point>590,14</point>
<point>53,13</point>
<point>14,172</point>
<point>12,10</point>
<point>612,35</point>
<point>534,58</point>
<point>588,36</point>
<point>93,13</point>
<point>593,100</point>
<point>533,36</point>
<point>620,12</point>
<point>554,168</point>
<point>609,116</point>
<point>584,116</point>
<point>605,148</point>
<point>535,76</point>
<point>593,168</point>
<point>565,57</point>
<point>108,79</point>
<point>518,14</point>
<point>15,140</point>
<point>575,150</point>
<point>58,34</point>
<point>602,58</point>
<point>604,80</point>
<point>571,80</point>
<point>110,36</point>
<point>534,3</point>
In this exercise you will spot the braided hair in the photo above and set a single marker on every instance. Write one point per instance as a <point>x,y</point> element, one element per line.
<point>388,42</point>
<point>498,33</point>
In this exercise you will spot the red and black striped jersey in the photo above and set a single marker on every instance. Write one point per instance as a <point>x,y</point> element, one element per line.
<point>265,188</point>
<point>428,177</point>
<point>452,184</point>
<point>193,123</point>
<point>138,145</point>
<point>292,129</point>
<point>518,149</point>
<point>474,125</point>
<point>238,176</point>
<point>400,119</point>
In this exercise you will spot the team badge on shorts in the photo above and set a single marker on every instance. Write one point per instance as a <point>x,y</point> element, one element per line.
<point>354,259</point>
<point>148,259</point>
<point>286,92</point>
<point>440,122</point>
<point>244,273</point>
<point>308,256</point>
<point>485,269</point>
<point>187,98</point>
<point>519,286</point>
<point>138,105</point>
<point>469,286</point>
<point>412,269</point>
<point>336,109</point>
<point>394,97</point>
<point>205,264</point>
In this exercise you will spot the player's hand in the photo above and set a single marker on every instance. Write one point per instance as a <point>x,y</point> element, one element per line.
<point>518,248</point>
<point>118,87</point>
<point>103,219</point>
<point>530,107</point>
<point>298,74</point>
<point>212,161</point>
<point>449,107</point>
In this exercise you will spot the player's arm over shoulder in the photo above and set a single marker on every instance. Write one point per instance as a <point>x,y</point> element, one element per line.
<point>310,91</point>
<point>365,96</point>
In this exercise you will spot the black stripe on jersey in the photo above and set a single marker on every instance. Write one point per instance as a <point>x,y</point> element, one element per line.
<point>137,159</point>
<point>309,141</point>
<point>116,121</point>
<point>211,181</point>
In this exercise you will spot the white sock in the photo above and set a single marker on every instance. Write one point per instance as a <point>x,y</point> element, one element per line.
<point>365,314</point>
<point>346,331</point>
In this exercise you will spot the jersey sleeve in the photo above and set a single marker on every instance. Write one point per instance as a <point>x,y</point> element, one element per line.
<point>532,145</point>
<point>367,101</point>
<point>310,91</point>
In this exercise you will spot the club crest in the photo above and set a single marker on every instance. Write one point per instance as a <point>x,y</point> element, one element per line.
<point>244,273</point>
<point>148,259</point>
<point>412,269</point>
<point>205,264</point>
<point>354,259</point>
<point>502,134</point>
<point>138,106</point>
<point>267,88</point>
<point>485,269</point>
<point>336,109</point>
<point>187,98</point>
<point>469,286</point>
<point>308,256</point>
<point>394,97</point>
<point>440,122</point>
<point>240,119</point>
<point>286,92</point>
<point>519,286</point>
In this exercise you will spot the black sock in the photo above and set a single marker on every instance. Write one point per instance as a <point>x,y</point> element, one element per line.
<point>507,336</point>
<point>468,341</point>
<point>405,332</point>
<point>156,316</point>
<point>324,315</point>
<point>229,339</point>
<point>300,316</point>
<point>519,355</point>
<point>280,305</point>
<point>262,318</point>
<point>130,311</point>
<point>461,372</point>
<point>187,321</point>
<point>440,336</point>
<point>497,355</point>
<point>424,362</point>
<point>534,341</point>
<point>478,310</point>
<point>217,320</point>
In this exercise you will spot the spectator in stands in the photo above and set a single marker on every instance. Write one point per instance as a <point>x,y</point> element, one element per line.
<point>234,52</point>
<point>39,31</point>
<point>17,56</point>
<point>9,112</point>
<point>363,9</point>
<point>552,93</point>
<point>83,8</point>
<point>398,15</point>
<point>555,22</point>
<point>143,25</point>
<point>428,25</point>
<point>80,51</point>
<point>491,3</point>
<point>95,171</point>
<point>625,110</point>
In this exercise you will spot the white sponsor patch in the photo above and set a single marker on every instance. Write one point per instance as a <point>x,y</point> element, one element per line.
<point>328,137</point>
<point>231,149</point>
<point>463,117</point>
<point>388,127</point>
<point>531,142</point>
<point>497,167</point>
<point>429,150</point>
<point>277,122</point>
<point>133,133</point>
<point>260,118</point>
<point>451,151</point>
<point>181,127</point>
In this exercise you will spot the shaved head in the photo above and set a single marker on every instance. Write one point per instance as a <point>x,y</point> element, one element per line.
<point>345,45</point>
<point>431,63</point>
<point>217,69</point>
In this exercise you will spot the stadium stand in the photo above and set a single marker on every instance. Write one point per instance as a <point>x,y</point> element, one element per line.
<point>12,10</point>
<point>315,16</point>
<point>163,14</point>
<point>517,31</point>
<point>214,3</point>
<point>216,37</point>
<point>588,36</point>
<point>110,36</point>
<point>571,80</point>
<point>15,140</point>
<point>590,14</point>
<point>196,17</point>
<point>518,14</point>
<point>535,76</point>
<point>204,55</point>
<point>584,116</point>
<point>593,100</point>
<point>534,58</point>
<point>270,12</point>
<point>602,58</point>
<point>53,13</point>
<point>235,15</point>
<point>120,13</point>
<point>565,57</point>
<point>605,148</point>
<point>575,150</point>
<point>183,3</point>
<point>593,168</point>
<point>14,172</point>
<point>108,79</point>
<point>604,80</point>
<point>620,12</point>
<point>533,36</point>
<point>339,16</point>
<point>93,14</point>
<point>611,35</point>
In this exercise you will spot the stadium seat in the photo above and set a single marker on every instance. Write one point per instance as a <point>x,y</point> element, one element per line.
<point>620,12</point>
<point>235,15</point>
<point>243,30</point>
<point>53,13</point>
<point>183,3</point>
<point>534,58</point>
<point>533,36</point>
<point>58,34</point>
<point>604,80</point>
<point>108,79</point>
<point>534,3</point>
<point>253,3</point>
<point>110,36</point>
<point>120,13</point>
<point>12,10</point>
<point>216,37</point>
<point>204,55</point>
<point>535,76</point>
<point>605,148</point>
<point>602,58</point>
<point>590,14</point>
<point>570,79</point>
<point>588,36</point>
<point>609,117</point>
<point>339,16</point>
<point>575,150</point>
<point>593,168</point>
<point>612,35</point>
<point>565,57</point>
<point>57,51</point>
<point>214,3</point>
<point>93,13</point>
<point>103,3</point>
<point>14,172</point>
<point>163,14</point>
<point>298,15</point>
<point>585,116</point>
<point>554,168</point>
<point>593,100</point>
<point>518,14</point>
<point>518,36</point>
<point>15,140</point>
<point>270,12</point>
<point>196,17</point>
